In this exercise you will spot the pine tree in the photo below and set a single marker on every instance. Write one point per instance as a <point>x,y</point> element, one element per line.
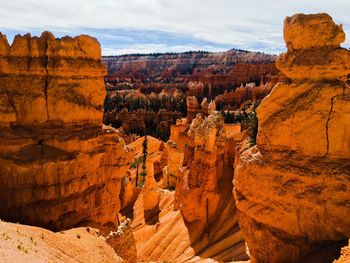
<point>136,164</point>
<point>144,157</point>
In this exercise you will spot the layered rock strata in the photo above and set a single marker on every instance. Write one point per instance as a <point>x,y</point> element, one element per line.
<point>218,69</point>
<point>192,108</point>
<point>291,189</point>
<point>57,169</point>
<point>203,191</point>
<point>178,226</point>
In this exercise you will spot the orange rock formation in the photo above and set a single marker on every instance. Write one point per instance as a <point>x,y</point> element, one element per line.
<point>179,226</point>
<point>57,169</point>
<point>21,243</point>
<point>192,108</point>
<point>291,189</point>
<point>203,191</point>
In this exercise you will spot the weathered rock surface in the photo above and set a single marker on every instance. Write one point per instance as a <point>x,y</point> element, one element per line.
<point>309,31</point>
<point>122,241</point>
<point>291,189</point>
<point>57,169</point>
<point>171,172</point>
<point>192,108</point>
<point>203,191</point>
<point>150,190</point>
<point>314,51</point>
<point>167,237</point>
<point>161,228</point>
<point>47,79</point>
<point>21,243</point>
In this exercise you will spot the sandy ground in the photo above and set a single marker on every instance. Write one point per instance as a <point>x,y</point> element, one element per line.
<point>21,243</point>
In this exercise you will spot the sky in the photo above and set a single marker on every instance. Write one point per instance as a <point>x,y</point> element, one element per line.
<point>148,26</point>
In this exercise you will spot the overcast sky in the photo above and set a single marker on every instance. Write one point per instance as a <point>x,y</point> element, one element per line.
<point>133,26</point>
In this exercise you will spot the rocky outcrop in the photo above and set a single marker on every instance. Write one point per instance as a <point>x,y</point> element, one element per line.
<point>150,190</point>
<point>176,226</point>
<point>192,108</point>
<point>203,191</point>
<point>57,169</point>
<point>199,182</point>
<point>178,133</point>
<point>175,158</point>
<point>195,89</point>
<point>123,242</point>
<point>169,238</point>
<point>316,54</point>
<point>291,189</point>
<point>67,73</point>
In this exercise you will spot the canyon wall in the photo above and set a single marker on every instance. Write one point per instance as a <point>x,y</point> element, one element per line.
<point>204,187</point>
<point>197,222</point>
<point>201,74</point>
<point>57,169</point>
<point>166,80</point>
<point>242,66</point>
<point>292,188</point>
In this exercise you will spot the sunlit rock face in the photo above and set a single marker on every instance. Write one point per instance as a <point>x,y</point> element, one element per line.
<point>291,189</point>
<point>197,222</point>
<point>51,80</point>
<point>57,169</point>
<point>314,52</point>
<point>204,190</point>
<point>22,243</point>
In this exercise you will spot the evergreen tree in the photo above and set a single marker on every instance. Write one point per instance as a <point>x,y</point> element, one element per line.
<point>136,164</point>
<point>144,156</point>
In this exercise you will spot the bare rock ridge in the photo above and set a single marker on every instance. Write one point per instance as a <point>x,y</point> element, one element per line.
<point>292,188</point>
<point>57,169</point>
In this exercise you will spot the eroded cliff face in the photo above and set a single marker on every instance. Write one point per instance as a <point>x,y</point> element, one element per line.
<point>211,68</point>
<point>57,169</point>
<point>203,189</point>
<point>292,188</point>
<point>197,222</point>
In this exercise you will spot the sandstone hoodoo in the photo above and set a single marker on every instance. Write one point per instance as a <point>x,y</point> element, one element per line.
<point>204,187</point>
<point>291,189</point>
<point>273,178</point>
<point>57,169</point>
<point>147,93</point>
<point>198,220</point>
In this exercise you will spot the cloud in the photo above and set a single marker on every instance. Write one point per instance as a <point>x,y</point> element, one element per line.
<point>248,24</point>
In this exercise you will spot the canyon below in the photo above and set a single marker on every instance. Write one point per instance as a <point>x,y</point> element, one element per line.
<point>233,156</point>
